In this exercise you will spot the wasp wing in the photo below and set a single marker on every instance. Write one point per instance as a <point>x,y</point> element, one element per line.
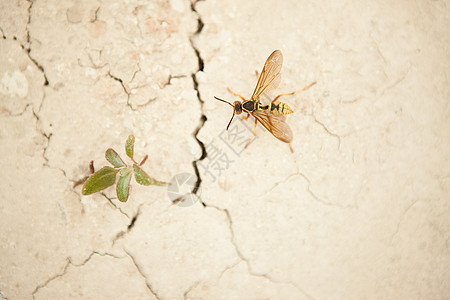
<point>275,124</point>
<point>270,75</point>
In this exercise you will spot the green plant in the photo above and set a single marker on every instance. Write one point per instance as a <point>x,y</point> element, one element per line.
<point>106,176</point>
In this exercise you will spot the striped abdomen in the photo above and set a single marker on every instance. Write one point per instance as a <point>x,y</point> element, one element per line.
<point>278,108</point>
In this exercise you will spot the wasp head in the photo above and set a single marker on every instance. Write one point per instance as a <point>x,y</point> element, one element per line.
<point>237,107</point>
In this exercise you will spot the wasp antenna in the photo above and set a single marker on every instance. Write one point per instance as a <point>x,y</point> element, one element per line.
<point>223,101</point>
<point>231,119</point>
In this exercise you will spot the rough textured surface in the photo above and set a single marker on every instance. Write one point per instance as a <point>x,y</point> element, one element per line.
<point>360,210</point>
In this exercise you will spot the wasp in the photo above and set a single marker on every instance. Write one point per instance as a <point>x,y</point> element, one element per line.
<point>272,115</point>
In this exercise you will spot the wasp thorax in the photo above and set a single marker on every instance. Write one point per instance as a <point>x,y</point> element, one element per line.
<point>249,106</point>
<point>237,107</point>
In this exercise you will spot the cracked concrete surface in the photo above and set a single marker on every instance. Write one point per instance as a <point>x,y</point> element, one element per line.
<point>360,210</point>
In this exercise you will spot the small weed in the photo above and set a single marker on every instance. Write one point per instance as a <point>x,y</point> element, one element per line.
<point>106,176</point>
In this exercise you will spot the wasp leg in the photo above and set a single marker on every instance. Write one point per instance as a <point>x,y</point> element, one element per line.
<point>236,94</point>
<point>254,134</point>
<point>246,117</point>
<point>292,149</point>
<point>294,92</point>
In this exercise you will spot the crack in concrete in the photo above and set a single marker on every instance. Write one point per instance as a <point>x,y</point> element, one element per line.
<point>115,206</point>
<point>38,65</point>
<point>121,83</point>
<point>229,268</point>
<point>139,269</point>
<point>280,182</point>
<point>247,262</point>
<point>95,17</point>
<point>130,226</point>
<point>320,200</point>
<point>44,152</point>
<point>200,23</point>
<point>139,69</point>
<point>27,47</point>
<point>380,53</point>
<point>236,247</point>
<point>128,91</point>
<point>327,130</point>
<point>133,220</point>
<point>185,294</point>
<point>390,86</point>
<point>243,258</point>
<point>28,20</point>
<point>93,65</point>
<point>203,118</point>
<point>47,138</point>
<point>202,157</point>
<point>169,80</point>
<point>233,241</point>
<point>8,112</point>
<point>313,195</point>
<point>298,173</point>
<point>59,275</point>
<point>66,267</point>
<point>402,219</point>
<point>267,277</point>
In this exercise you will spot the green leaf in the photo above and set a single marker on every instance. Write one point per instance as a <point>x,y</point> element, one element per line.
<point>142,177</point>
<point>129,146</point>
<point>100,180</point>
<point>114,158</point>
<point>123,186</point>
<point>125,171</point>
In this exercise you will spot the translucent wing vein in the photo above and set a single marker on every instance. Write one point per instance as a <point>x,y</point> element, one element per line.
<point>275,124</point>
<point>270,75</point>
